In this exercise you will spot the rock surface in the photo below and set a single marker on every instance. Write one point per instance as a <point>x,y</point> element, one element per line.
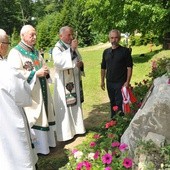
<point>153,117</point>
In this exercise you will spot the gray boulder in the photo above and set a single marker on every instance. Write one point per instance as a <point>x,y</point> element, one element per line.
<point>152,117</point>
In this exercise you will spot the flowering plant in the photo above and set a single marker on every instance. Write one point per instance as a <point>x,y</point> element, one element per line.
<point>102,150</point>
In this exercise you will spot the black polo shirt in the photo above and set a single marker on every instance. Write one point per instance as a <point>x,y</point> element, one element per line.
<point>116,61</point>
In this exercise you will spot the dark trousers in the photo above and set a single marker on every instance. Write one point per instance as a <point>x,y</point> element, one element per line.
<point>115,96</point>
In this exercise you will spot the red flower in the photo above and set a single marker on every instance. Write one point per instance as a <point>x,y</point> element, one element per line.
<point>115,108</point>
<point>112,123</point>
<point>107,125</point>
<point>96,136</point>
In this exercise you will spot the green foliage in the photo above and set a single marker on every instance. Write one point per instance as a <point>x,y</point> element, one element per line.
<point>157,158</point>
<point>48,31</point>
<point>144,40</point>
<point>15,38</point>
<point>159,67</point>
<point>100,38</point>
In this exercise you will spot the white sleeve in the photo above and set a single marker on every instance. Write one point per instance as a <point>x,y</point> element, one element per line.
<point>62,59</point>
<point>19,89</point>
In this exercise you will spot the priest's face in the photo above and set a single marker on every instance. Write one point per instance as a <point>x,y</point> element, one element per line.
<point>4,46</point>
<point>29,37</point>
<point>67,36</point>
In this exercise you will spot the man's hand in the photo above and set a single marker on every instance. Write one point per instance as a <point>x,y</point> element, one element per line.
<point>79,64</point>
<point>42,72</point>
<point>102,85</point>
<point>126,84</point>
<point>74,44</point>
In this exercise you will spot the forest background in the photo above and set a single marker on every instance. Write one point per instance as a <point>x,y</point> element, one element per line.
<point>92,19</point>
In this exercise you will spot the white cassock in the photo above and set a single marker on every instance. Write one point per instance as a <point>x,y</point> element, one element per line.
<point>16,152</point>
<point>69,119</point>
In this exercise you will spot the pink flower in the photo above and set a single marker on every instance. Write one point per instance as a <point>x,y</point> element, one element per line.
<point>96,136</point>
<point>115,144</point>
<point>74,151</point>
<point>108,168</point>
<point>107,158</point>
<point>107,125</point>
<point>123,147</point>
<point>115,108</point>
<point>169,81</point>
<point>87,165</point>
<point>96,155</point>
<point>112,123</point>
<point>79,166</point>
<point>92,144</point>
<point>127,163</point>
<point>84,164</point>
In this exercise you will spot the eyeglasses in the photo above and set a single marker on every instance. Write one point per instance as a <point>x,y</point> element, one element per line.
<point>6,43</point>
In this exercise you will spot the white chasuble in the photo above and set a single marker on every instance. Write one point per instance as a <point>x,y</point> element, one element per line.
<point>67,100</point>
<point>41,113</point>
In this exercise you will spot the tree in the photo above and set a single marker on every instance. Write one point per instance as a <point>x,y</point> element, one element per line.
<point>129,15</point>
<point>15,15</point>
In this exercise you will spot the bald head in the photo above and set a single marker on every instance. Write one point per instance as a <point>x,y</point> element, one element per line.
<point>28,35</point>
<point>3,35</point>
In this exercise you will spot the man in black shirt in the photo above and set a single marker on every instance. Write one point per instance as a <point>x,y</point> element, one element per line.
<point>116,67</point>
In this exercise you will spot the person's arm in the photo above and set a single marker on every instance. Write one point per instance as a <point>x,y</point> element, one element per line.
<point>62,59</point>
<point>129,75</point>
<point>103,71</point>
<point>103,75</point>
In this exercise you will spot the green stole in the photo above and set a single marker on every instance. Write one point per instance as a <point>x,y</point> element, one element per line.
<point>33,55</point>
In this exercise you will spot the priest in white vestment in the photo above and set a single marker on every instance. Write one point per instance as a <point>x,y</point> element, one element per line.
<point>16,150</point>
<point>40,114</point>
<point>68,92</point>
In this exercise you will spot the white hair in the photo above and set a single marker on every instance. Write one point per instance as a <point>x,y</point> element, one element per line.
<point>63,29</point>
<point>25,29</point>
<point>3,35</point>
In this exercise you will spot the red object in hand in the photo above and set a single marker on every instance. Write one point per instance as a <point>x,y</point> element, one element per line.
<point>132,97</point>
